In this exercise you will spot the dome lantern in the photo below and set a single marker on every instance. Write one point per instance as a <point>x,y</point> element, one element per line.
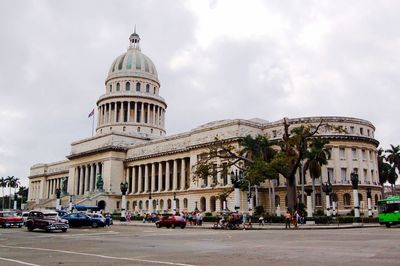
<point>134,40</point>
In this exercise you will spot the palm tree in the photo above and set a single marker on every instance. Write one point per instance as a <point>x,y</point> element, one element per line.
<point>3,184</point>
<point>316,156</point>
<point>394,159</point>
<point>392,177</point>
<point>10,184</point>
<point>383,169</point>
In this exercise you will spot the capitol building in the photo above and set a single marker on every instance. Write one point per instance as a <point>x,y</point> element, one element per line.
<point>131,145</point>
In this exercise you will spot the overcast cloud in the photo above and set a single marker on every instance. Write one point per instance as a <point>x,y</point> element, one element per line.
<point>215,60</point>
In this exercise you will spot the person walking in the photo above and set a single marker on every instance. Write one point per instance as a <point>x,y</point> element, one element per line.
<point>288,218</point>
<point>108,219</point>
<point>261,221</point>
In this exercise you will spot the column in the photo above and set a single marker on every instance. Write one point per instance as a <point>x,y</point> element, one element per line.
<point>98,115</point>
<point>153,177</point>
<point>135,112</point>
<point>140,178</point>
<point>93,177</point>
<point>167,185</point>
<point>183,174</point>
<point>121,112</point>
<point>159,176</point>
<point>175,175</point>
<point>129,111</point>
<point>356,204</point>
<point>146,178</point>
<point>142,113</point>
<point>154,115</point>
<point>82,179</point>
<point>76,178</point>
<point>128,180</point>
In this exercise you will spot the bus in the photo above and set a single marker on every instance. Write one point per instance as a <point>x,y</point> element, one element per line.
<point>389,211</point>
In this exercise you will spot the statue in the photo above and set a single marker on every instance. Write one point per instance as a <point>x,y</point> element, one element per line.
<point>64,185</point>
<point>99,182</point>
<point>58,193</point>
<point>354,180</point>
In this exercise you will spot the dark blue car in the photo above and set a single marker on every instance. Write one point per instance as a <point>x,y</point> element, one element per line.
<point>77,219</point>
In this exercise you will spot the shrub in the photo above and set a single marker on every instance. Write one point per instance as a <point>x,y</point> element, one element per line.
<point>208,214</point>
<point>211,219</point>
<point>259,210</point>
<point>319,213</point>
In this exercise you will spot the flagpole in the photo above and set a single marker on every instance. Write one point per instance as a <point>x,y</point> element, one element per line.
<point>93,125</point>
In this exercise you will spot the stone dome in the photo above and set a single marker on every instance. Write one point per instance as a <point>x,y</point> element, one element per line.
<point>133,63</point>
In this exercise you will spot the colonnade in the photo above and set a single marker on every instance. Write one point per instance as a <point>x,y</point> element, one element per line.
<point>131,111</point>
<point>36,189</point>
<point>53,184</point>
<point>171,175</point>
<point>85,177</point>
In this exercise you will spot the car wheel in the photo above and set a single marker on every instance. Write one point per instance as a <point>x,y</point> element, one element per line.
<point>173,226</point>
<point>30,228</point>
<point>19,226</point>
<point>94,225</point>
<point>64,230</point>
<point>183,226</point>
<point>388,225</point>
<point>158,225</point>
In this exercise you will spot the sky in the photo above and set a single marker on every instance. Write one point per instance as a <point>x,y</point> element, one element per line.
<point>215,60</point>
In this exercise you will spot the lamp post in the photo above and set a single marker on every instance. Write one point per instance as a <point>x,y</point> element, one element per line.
<point>196,209</point>
<point>354,182</point>
<point>237,181</point>
<point>124,189</point>
<point>249,196</point>
<point>157,210</point>
<point>150,203</point>
<point>174,204</point>
<point>58,201</point>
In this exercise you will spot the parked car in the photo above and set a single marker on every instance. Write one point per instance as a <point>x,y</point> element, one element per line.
<point>46,220</point>
<point>61,213</point>
<point>78,219</point>
<point>10,218</point>
<point>171,221</point>
<point>24,216</point>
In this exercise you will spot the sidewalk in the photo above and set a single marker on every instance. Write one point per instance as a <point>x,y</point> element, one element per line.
<point>277,226</point>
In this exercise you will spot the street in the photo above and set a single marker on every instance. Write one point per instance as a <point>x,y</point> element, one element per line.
<point>133,245</point>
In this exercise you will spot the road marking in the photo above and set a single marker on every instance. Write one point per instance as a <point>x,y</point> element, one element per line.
<point>97,255</point>
<point>18,261</point>
<point>91,234</point>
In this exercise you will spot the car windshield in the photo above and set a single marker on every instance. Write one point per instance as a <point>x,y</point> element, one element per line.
<point>10,214</point>
<point>50,215</point>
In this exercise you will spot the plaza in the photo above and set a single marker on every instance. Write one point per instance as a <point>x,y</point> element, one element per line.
<point>138,245</point>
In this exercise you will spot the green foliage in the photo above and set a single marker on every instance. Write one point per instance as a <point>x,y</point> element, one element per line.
<point>259,210</point>
<point>319,213</point>
<point>212,219</point>
<point>208,214</point>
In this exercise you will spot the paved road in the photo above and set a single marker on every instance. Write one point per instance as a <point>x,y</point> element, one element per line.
<point>132,245</point>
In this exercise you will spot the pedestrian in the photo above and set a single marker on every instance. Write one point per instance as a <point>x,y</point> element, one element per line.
<point>261,221</point>
<point>108,219</point>
<point>128,216</point>
<point>287,219</point>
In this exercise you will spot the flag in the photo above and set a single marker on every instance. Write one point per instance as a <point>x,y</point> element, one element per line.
<point>91,113</point>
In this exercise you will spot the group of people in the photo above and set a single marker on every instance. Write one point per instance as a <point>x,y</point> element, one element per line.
<point>293,218</point>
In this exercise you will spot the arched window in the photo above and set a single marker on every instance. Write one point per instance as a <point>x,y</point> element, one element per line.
<point>334,197</point>
<point>128,86</point>
<point>360,199</point>
<point>110,88</point>
<point>147,88</point>
<point>138,86</point>
<point>376,199</point>
<point>203,204</point>
<point>118,86</point>
<point>212,204</point>
<point>185,203</point>
<point>277,201</point>
<point>140,205</point>
<point>147,205</point>
<point>154,204</point>
<point>155,90</point>
<point>168,204</point>
<point>177,204</point>
<point>134,205</point>
<point>128,205</point>
<point>346,199</point>
<point>161,204</point>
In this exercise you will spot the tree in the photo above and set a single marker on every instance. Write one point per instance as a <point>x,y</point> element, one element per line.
<point>23,193</point>
<point>10,183</point>
<point>383,169</point>
<point>394,159</point>
<point>3,184</point>
<point>316,157</point>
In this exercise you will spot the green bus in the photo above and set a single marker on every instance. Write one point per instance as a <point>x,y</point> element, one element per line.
<point>389,211</point>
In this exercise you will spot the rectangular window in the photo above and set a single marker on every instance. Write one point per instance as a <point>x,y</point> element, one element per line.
<point>368,132</point>
<point>361,131</point>
<point>342,153</point>
<point>365,175</point>
<point>364,155</point>
<point>343,174</point>
<point>372,175</point>
<point>351,129</point>
<point>354,153</point>
<point>330,174</point>
<point>274,133</point>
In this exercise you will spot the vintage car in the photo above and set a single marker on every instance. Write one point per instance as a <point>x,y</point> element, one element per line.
<point>171,221</point>
<point>10,218</point>
<point>46,220</point>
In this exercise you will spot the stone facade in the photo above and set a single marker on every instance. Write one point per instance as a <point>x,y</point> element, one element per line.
<point>130,146</point>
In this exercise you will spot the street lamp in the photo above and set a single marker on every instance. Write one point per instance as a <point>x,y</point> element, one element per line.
<point>70,203</point>
<point>196,209</point>
<point>237,181</point>
<point>58,200</point>
<point>369,201</point>
<point>124,189</point>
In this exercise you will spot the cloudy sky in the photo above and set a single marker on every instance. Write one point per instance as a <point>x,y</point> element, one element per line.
<point>215,60</point>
